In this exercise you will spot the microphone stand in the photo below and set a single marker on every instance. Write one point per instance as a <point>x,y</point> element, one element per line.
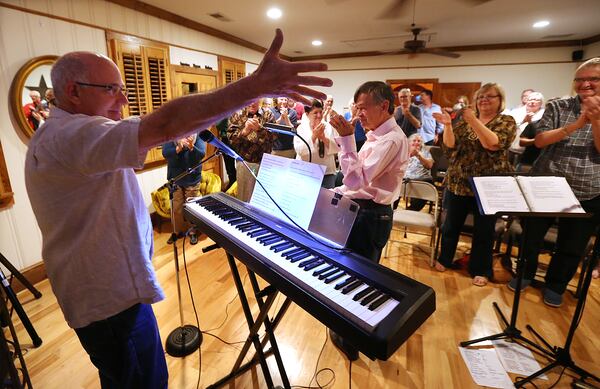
<point>287,130</point>
<point>185,339</point>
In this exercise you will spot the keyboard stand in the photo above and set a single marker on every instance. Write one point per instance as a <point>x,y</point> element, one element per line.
<point>254,325</point>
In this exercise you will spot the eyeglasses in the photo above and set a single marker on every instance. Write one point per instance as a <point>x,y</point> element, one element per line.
<point>111,89</point>
<point>589,79</point>
<point>487,97</point>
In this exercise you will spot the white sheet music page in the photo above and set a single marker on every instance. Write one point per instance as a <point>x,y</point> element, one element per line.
<point>549,194</point>
<point>500,194</point>
<point>293,183</point>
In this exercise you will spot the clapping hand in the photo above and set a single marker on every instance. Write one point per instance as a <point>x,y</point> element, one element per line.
<point>340,124</point>
<point>442,117</point>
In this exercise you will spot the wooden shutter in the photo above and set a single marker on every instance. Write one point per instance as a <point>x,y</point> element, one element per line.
<point>145,68</point>
<point>231,70</point>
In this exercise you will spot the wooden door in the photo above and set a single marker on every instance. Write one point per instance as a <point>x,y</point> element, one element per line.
<point>187,80</point>
<point>450,91</point>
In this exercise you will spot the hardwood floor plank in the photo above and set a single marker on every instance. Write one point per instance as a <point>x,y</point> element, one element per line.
<point>429,359</point>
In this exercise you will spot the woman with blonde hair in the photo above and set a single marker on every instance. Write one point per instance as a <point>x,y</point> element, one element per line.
<point>476,145</point>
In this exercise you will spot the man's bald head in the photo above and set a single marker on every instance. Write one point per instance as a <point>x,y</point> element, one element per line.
<point>76,66</point>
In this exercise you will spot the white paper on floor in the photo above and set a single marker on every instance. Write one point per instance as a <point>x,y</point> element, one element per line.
<point>516,358</point>
<point>485,367</point>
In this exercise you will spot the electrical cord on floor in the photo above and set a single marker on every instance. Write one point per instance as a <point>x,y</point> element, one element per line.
<point>531,382</point>
<point>558,379</point>
<point>187,277</point>
<point>315,376</point>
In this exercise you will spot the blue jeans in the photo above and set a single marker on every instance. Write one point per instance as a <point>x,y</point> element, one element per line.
<point>571,241</point>
<point>457,208</point>
<point>127,350</point>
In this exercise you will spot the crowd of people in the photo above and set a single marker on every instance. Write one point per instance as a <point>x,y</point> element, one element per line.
<point>97,235</point>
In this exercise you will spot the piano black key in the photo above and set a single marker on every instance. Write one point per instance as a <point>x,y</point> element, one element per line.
<point>311,266</point>
<point>375,304</point>
<point>370,297</point>
<point>299,256</point>
<point>265,237</point>
<point>281,246</point>
<point>351,286</point>
<point>328,273</point>
<point>289,254</point>
<point>251,228</point>
<point>345,283</point>
<point>268,238</point>
<point>244,225</point>
<point>334,277</point>
<point>235,222</point>
<point>308,261</point>
<point>363,293</point>
<point>270,241</point>
<point>321,271</point>
<point>259,233</point>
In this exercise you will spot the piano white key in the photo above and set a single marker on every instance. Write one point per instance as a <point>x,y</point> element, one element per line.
<point>327,291</point>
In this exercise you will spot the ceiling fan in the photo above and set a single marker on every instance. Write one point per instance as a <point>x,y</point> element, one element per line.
<point>416,45</point>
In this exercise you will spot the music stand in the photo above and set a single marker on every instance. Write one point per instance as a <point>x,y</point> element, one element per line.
<point>184,339</point>
<point>562,355</point>
<point>511,331</point>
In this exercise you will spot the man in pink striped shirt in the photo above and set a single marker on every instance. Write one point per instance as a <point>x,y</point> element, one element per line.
<point>373,176</point>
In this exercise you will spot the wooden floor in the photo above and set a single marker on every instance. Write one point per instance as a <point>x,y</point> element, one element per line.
<point>429,359</point>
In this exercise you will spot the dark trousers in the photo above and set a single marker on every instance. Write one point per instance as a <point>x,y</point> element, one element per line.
<point>457,208</point>
<point>229,165</point>
<point>371,230</point>
<point>571,241</point>
<point>127,350</point>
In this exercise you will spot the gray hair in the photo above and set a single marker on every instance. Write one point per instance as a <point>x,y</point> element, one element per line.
<point>536,95</point>
<point>379,92</point>
<point>413,136</point>
<point>404,91</point>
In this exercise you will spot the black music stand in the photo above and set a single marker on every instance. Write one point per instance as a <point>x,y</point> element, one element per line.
<point>510,330</point>
<point>562,356</point>
<point>186,338</point>
<point>254,325</point>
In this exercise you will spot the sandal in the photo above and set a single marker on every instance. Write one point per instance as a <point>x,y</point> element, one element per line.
<point>480,281</point>
<point>439,267</point>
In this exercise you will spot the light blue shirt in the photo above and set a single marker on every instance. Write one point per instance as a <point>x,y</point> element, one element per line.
<point>429,126</point>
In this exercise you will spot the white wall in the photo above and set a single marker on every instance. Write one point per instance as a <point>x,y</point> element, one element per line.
<point>24,35</point>
<point>547,70</point>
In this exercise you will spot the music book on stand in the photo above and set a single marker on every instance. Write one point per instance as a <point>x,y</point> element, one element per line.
<point>524,194</point>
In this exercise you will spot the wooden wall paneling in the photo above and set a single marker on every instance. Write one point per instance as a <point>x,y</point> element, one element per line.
<point>450,91</point>
<point>231,70</point>
<point>415,86</point>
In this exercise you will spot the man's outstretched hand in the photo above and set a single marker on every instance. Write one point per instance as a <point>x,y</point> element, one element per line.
<point>278,77</point>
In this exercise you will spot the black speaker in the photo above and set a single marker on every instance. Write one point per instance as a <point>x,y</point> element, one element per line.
<point>577,55</point>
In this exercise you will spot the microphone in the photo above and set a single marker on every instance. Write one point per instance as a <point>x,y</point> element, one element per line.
<point>280,129</point>
<point>208,137</point>
<point>321,149</point>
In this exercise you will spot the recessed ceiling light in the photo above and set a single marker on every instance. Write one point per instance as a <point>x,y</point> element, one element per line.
<point>541,24</point>
<point>274,13</point>
<point>316,42</point>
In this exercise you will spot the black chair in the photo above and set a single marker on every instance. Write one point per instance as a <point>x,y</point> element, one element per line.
<point>440,164</point>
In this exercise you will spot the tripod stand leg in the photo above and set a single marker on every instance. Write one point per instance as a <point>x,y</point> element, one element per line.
<point>10,294</point>
<point>539,337</point>
<point>13,270</point>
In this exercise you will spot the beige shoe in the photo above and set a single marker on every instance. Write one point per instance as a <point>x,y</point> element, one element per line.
<point>480,281</point>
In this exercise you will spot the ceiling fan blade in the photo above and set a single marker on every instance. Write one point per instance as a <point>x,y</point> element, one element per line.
<point>394,10</point>
<point>442,52</point>
<point>396,52</point>
<point>474,3</point>
<point>334,2</point>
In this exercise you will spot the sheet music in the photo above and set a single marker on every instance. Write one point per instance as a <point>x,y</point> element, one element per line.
<point>293,183</point>
<point>497,193</point>
<point>549,194</point>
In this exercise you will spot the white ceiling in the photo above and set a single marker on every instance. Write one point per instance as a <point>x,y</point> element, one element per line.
<point>352,26</point>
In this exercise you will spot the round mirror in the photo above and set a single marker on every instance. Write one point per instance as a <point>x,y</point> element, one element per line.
<point>31,94</point>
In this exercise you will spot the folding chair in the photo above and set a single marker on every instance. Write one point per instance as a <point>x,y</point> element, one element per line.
<point>416,219</point>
